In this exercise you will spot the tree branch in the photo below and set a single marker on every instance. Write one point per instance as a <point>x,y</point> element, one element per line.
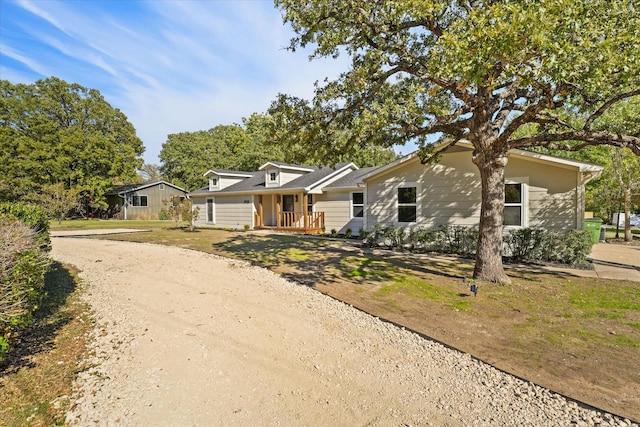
<point>600,111</point>
<point>588,139</point>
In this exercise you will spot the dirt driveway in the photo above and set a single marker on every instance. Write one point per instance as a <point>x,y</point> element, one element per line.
<point>187,338</point>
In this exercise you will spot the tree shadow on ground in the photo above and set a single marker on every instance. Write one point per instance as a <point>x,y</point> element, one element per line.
<point>307,260</point>
<point>48,320</point>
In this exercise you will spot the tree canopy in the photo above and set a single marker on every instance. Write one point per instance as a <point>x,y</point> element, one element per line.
<point>56,133</point>
<point>187,156</point>
<point>473,70</point>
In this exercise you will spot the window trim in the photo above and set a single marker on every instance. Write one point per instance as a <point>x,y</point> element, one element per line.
<point>214,183</point>
<point>353,204</point>
<point>161,186</point>
<point>417,203</point>
<point>523,204</point>
<point>139,196</point>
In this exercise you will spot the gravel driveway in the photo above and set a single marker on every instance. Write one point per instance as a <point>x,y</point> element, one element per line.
<point>188,338</point>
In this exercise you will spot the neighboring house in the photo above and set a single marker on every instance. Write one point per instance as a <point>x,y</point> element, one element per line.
<point>541,191</point>
<point>141,201</point>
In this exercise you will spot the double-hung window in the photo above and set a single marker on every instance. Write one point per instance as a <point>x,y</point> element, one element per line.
<point>514,204</point>
<point>407,204</point>
<point>357,205</point>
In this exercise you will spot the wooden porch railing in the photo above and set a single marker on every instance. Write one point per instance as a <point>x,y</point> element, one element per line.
<point>306,222</point>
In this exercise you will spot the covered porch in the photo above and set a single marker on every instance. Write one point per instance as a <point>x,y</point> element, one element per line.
<point>292,213</point>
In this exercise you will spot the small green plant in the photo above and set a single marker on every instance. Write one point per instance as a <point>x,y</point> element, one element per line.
<point>247,227</point>
<point>348,233</point>
<point>334,233</point>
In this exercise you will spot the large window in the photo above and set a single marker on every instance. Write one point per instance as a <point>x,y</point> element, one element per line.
<point>407,204</point>
<point>139,201</point>
<point>210,214</point>
<point>513,204</point>
<point>357,205</point>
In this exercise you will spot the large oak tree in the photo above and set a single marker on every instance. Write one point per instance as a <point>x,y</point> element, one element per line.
<point>473,70</point>
<point>57,134</point>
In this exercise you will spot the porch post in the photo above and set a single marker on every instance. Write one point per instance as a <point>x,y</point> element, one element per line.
<point>305,214</point>
<point>278,201</point>
<point>260,212</point>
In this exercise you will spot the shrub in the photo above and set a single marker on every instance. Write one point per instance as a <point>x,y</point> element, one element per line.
<point>455,239</point>
<point>23,264</point>
<point>348,233</point>
<point>32,216</point>
<point>524,244</point>
<point>567,247</point>
<point>385,236</point>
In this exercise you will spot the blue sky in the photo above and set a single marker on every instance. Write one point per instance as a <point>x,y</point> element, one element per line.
<point>170,66</point>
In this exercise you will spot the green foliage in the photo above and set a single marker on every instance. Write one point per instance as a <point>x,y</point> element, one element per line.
<point>526,244</point>
<point>23,264</point>
<point>32,216</point>
<point>54,132</point>
<point>179,210</point>
<point>501,75</point>
<point>57,200</point>
<point>187,156</point>
<point>385,236</point>
<point>568,247</point>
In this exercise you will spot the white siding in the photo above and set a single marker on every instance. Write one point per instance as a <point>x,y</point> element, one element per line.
<point>450,193</point>
<point>234,211</point>
<point>200,202</point>
<point>553,196</point>
<point>337,212</point>
<point>230,211</point>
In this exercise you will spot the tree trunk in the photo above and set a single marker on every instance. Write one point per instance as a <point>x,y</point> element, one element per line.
<point>488,264</point>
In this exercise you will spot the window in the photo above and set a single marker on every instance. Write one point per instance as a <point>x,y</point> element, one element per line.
<point>357,205</point>
<point>214,182</point>
<point>407,204</point>
<point>210,210</point>
<point>273,176</point>
<point>139,201</point>
<point>161,187</point>
<point>513,203</point>
<point>309,202</point>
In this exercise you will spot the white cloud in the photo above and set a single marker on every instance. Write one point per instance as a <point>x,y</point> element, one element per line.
<point>172,66</point>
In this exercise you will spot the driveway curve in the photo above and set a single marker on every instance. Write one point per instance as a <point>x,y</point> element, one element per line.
<point>187,338</point>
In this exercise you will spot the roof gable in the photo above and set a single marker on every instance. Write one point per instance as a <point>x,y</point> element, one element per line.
<point>128,188</point>
<point>561,162</point>
<point>286,166</point>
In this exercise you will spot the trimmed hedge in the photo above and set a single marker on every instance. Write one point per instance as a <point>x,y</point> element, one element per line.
<point>532,245</point>
<point>24,247</point>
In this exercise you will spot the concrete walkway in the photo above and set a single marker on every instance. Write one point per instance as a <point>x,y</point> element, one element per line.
<point>616,261</point>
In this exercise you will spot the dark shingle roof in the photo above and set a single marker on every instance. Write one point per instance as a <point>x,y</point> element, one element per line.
<point>119,189</point>
<point>352,179</point>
